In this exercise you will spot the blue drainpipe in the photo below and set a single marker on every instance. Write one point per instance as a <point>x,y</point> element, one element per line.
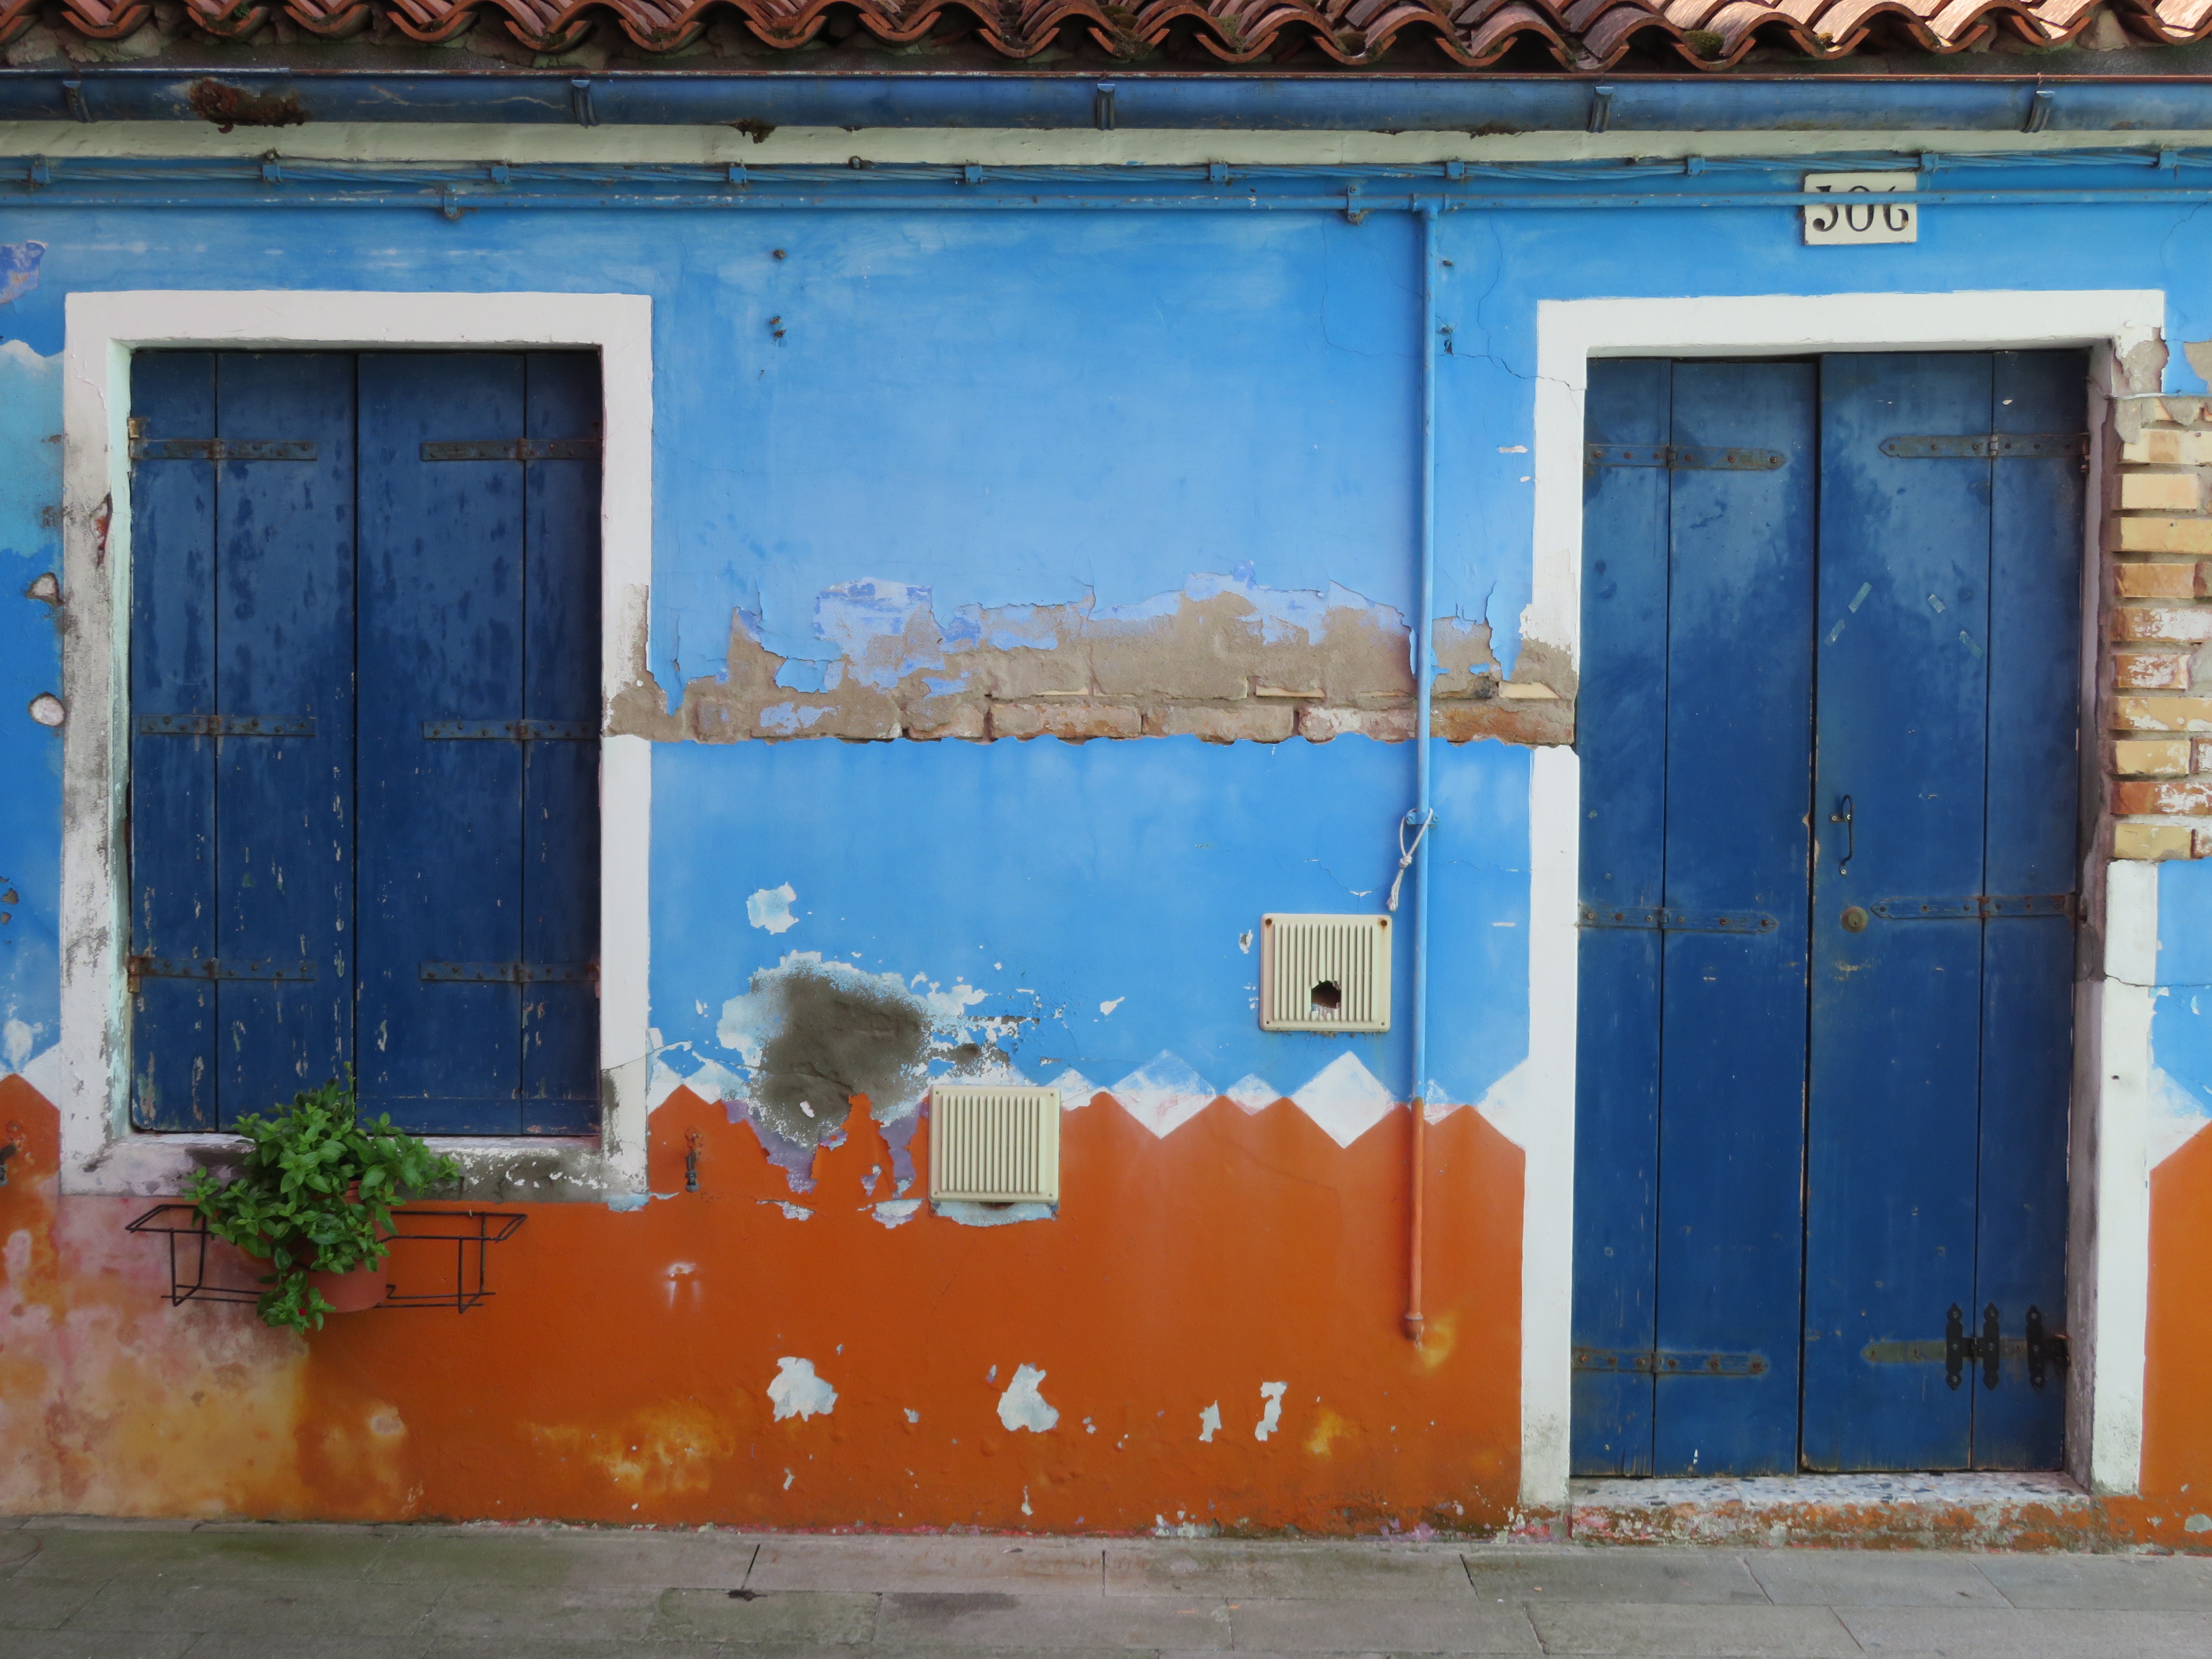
<point>1423,817</point>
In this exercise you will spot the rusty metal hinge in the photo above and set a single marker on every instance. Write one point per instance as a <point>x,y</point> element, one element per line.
<point>1681,457</point>
<point>2041,1349</point>
<point>514,449</point>
<point>219,449</point>
<point>512,731</point>
<point>1675,921</point>
<point>226,726</point>
<point>508,973</point>
<point>1671,1362</point>
<point>213,967</point>
<point>1993,447</point>
<point>1975,906</point>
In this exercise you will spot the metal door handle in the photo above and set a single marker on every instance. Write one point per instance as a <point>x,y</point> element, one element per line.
<point>1843,815</point>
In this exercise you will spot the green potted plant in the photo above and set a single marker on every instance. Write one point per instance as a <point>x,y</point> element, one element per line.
<point>312,1197</point>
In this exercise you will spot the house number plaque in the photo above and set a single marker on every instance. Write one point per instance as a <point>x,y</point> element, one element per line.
<point>1866,208</point>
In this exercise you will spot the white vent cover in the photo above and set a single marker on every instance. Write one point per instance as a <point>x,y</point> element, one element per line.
<point>993,1144</point>
<point>1324,973</point>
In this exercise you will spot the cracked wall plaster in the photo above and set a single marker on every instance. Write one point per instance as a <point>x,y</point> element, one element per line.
<point>1223,659</point>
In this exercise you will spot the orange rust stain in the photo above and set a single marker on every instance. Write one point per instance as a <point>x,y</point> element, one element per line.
<point>621,1372</point>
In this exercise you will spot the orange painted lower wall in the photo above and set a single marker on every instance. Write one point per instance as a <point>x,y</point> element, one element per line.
<point>621,1372</point>
<point>2177,1486</point>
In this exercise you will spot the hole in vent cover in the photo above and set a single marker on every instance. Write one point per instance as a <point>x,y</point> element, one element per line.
<point>1324,973</point>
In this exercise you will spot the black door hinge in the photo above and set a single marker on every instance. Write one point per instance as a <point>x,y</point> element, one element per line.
<point>2045,1348</point>
<point>2041,1349</point>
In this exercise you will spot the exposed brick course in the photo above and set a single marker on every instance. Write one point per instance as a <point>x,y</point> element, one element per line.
<point>2160,624</point>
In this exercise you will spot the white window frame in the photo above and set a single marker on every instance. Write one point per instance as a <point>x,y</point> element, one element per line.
<point>2108,1265</point>
<point>101,1152</point>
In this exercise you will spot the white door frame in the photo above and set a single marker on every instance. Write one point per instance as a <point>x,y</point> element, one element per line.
<point>2109,1233</point>
<point>101,1153</point>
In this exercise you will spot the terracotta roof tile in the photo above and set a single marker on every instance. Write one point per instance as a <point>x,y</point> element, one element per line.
<point>1583,34</point>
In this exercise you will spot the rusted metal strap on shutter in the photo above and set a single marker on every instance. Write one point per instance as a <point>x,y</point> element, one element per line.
<point>1995,446</point>
<point>1975,906</point>
<point>226,726</point>
<point>1672,1362</point>
<point>218,968</point>
<point>511,731</point>
<point>1682,458</point>
<point>2043,1350</point>
<point>514,449</point>
<point>509,973</point>
<point>1676,921</point>
<point>219,449</point>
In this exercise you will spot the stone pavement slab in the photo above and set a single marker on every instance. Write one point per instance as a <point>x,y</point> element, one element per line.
<point>96,1644</point>
<point>1025,1565</point>
<point>654,1560</point>
<point>1872,1578</point>
<point>2064,1634</point>
<point>1567,1572</point>
<point>1413,1626</point>
<point>300,1607</point>
<point>1035,1623</point>
<point>513,1612</point>
<point>294,1554</point>
<point>2175,1582</point>
<point>1355,1571</point>
<point>791,1617</point>
<point>1706,1632</point>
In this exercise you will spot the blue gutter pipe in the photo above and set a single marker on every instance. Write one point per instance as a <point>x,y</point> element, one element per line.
<point>1419,820</point>
<point>1476,104</point>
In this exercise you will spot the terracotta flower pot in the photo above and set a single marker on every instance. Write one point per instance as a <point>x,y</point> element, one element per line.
<point>355,1291</point>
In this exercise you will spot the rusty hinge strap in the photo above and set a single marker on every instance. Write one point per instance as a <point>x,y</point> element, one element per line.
<point>219,449</point>
<point>509,973</point>
<point>1683,458</point>
<point>1983,907</point>
<point>143,967</point>
<point>1676,921</point>
<point>1671,1362</point>
<point>512,731</point>
<point>514,449</point>
<point>1994,445</point>
<point>226,726</point>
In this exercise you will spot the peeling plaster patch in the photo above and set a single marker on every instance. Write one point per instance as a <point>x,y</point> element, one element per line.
<point>813,1034</point>
<point>1345,1099</point>
<point>629,1203</point>
<point>1253,1093</point>
<point>1244,941</point>
<point>1106,1008</point>
<point>1163,1094</point>
<point>895,1211</point>
<point>912,1415</point>
<point>1209,1421</point>
<point>788,719</point>
<point>1026,1509</point>
<point>797,1392</point>
<point>1021,1406</point>
<point>1272,1418</point>
<point>19,269</point>
<point>770,909</point>
<point>2176,1116</point>
<point>989,1215</point>
<point>1076,1090</point>
<point>16,1041</point>
<point>788,1477</point>
<point>791,1212</point>
<point>2197,1523</point>
<point>949,1006</point>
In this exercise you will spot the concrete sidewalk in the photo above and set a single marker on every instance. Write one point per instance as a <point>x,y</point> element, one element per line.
<point>90,1590</point>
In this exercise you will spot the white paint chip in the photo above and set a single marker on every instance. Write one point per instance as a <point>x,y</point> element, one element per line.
<point>1108,1007</point>
<point>912,1415</point>
<point>895,1211</point>
<point>1209,1421</point>
<point>1021,1406</point>
<point>797,1392</point>
<point>770,909</point>
<point>1271,1418</point>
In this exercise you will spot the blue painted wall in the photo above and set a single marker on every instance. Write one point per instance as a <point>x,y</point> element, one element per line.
<point>1005,409</point>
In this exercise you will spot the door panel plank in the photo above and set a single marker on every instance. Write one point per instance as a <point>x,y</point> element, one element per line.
<point>1895,1047</point>
<point>1732,1090</point>
<point>441,639</point>
<point>284,637</point>
<point>2032,846</point>
<point>561,780</point>
<point>1622,739</point>
<point>173,807</point>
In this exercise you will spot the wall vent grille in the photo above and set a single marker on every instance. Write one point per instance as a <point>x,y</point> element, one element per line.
<point>1324,973</point>
<point>992,1145</point>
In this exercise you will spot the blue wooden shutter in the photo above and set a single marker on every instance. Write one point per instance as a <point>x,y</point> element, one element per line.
<point>477,752</point>
<point>241,843</point>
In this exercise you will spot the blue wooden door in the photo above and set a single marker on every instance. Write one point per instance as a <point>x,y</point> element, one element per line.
<point>1827,846</point>
<point>365,649</point>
